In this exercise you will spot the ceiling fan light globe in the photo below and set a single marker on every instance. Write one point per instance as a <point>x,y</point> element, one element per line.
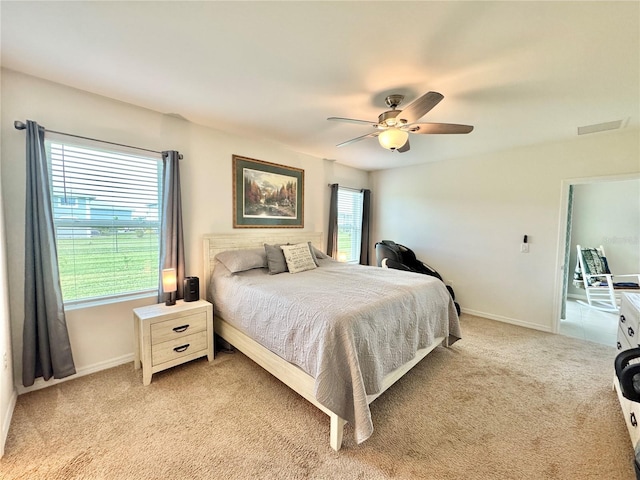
<point>393,138</point>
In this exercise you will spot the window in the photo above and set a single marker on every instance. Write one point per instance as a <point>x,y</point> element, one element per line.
<point>349,224</point>
<point>106,218</point>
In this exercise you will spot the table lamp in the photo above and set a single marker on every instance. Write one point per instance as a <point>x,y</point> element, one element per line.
<point>169,285</point>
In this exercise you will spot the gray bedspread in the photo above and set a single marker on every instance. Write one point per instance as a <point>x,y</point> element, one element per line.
<point>345,325</point>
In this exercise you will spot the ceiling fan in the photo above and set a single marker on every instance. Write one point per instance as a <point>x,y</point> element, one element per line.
<point>394,126</point>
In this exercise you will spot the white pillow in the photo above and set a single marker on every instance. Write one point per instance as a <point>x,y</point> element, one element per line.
<point>298,257</point>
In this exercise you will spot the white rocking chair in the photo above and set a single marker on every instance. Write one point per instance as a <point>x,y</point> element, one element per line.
<point>592,273</point>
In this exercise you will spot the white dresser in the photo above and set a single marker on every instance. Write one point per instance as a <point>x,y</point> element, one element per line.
<point>629,337</point>
<point>166,336</point>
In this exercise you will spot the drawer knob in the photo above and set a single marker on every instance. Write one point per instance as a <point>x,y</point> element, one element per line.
<point>181,328</point>
<point>632,419</point>
<point>631,332</point>
<point>622,319</point>
<point>181,348</point>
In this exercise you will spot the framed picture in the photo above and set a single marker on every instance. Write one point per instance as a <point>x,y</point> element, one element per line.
<point>267,195</point>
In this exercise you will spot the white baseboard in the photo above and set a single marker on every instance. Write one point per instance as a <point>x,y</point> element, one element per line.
<point>6,421</point>
<point>40,383</point>
<point>512,321</point>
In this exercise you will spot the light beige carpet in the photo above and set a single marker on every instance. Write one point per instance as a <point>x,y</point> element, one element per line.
<point>503,403</point>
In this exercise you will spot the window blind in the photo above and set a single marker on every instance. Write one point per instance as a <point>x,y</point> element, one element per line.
<point>105,207</point>
<point>349,225</point>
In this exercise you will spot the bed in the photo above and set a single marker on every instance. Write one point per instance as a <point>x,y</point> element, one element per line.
<point>340,356</point>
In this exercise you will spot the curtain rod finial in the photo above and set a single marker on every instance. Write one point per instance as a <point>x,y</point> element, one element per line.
<point>18,125</point>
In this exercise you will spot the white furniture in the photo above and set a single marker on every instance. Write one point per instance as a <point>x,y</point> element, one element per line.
<point>289,374</point>
<point>166,336</point>
<point>629,337</point>
<point>593,266</point>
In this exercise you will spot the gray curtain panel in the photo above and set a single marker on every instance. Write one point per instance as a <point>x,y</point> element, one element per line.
<point>171,236</point>
<point>46,351</point>
<point>332,240</point>
<point>366,215</point>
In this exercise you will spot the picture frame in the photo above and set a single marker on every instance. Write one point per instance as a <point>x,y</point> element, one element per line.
<point>267,195</point>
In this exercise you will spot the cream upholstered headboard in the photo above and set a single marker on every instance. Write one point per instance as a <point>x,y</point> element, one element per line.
<point>215,243</point>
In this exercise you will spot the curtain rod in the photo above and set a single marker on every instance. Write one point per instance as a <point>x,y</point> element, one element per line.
<point>347,188</point>
<point>22,126</point>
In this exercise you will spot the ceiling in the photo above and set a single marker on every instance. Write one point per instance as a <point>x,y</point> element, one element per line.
<point>521,72</point>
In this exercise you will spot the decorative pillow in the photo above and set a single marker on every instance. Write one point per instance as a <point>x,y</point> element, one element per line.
<point>298,257</point>
<point>318,254</point>
<point>313,254</point>
<point>594,264</point>
<point>275,259</point>
<point>241,260</point>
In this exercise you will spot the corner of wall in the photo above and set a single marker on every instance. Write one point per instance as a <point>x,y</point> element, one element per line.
<point>6,421</point>
<point>8,393</point>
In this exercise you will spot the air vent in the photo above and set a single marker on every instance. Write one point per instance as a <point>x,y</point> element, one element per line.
<point>600,127</point>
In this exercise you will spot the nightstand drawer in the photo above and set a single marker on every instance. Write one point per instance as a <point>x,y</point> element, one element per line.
<point>623,339</point>
<point>628,321</point>
<point>178,327</point>
<point>179,347</point>
<point>629,311</point>
<point>630,411</point>
<point>630,333</point>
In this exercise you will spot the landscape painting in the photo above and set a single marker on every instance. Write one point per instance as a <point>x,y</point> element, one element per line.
<point>267,194</point>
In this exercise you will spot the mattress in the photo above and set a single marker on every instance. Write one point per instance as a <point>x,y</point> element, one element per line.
<point>345,325</point>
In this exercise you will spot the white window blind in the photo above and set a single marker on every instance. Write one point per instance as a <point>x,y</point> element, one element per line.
<point>106,216</point>
<point>349,224</point>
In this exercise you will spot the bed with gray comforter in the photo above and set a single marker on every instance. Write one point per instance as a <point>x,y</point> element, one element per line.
<point>345,325</point>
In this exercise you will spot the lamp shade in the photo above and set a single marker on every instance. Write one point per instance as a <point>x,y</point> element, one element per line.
<point>169,282</point>
<point>393,138</point>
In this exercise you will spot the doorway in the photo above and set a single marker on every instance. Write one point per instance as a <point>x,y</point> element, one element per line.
<point>595,211</point>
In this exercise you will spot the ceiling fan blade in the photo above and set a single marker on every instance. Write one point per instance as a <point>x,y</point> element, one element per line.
<point>435,128</point>
<point>352,120</point>
<point>420,106</point>
<point>357,139</point>
<point>405,148</point>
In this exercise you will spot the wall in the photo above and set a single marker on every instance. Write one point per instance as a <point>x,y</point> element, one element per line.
<point>7,390</point>
<point>607,214</point>
<point>467,218</point>
<point>101,336</point>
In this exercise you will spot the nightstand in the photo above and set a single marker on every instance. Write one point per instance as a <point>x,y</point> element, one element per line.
<point>628,334</point>
<point>169,336</point>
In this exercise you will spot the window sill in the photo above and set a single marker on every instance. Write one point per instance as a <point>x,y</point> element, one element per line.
<point>81,304</point>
